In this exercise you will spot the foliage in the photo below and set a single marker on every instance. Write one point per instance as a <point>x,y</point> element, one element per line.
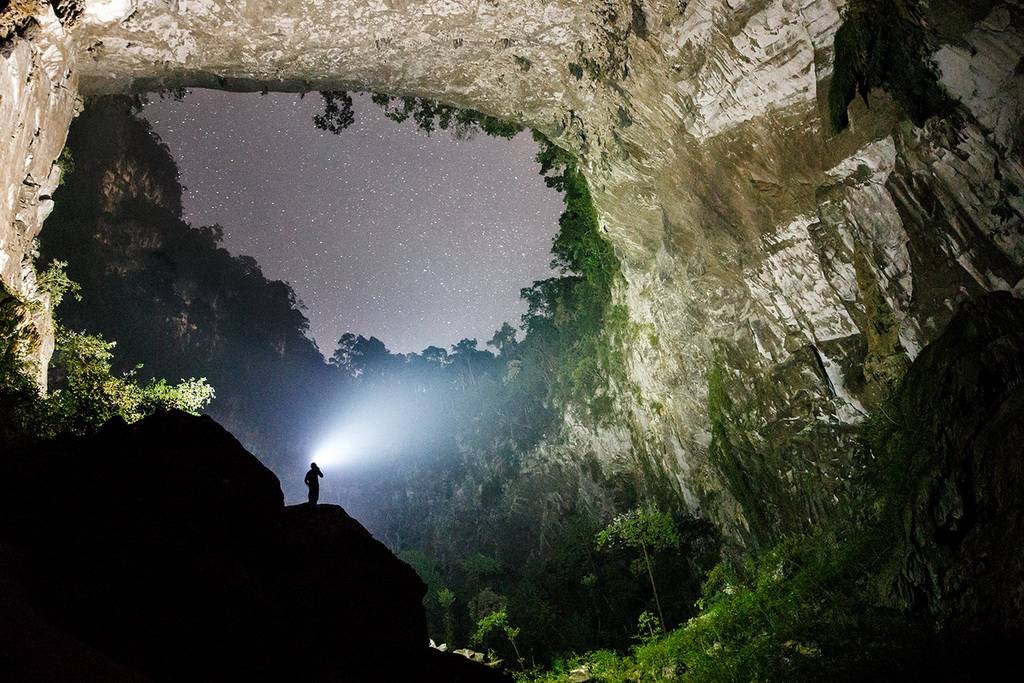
<point>480,565</point>
<point>90,394</point>
<point>86,393</point>
<point>497,622</point>
<point>573,331</point>
<point>446,600</point>
<point>428,115</point>
<point>647,627</point>
<point>642,529</point>
<point>431,115</point>
<point>445,597</point>
<point>20,407</point>
<point>807,608</point>
<point>18,338</point>
<point>356,355</point>
<point>55,283</point>
<point>66,164</point>
<point>883,43</point>
<point>486,602</point>
<point>337,114</point>
<point>646,530</point>
<point>789,614</point>
<point>494,622</point>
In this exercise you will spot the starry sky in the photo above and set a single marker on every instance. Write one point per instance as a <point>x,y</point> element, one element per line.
<point>383,230</point>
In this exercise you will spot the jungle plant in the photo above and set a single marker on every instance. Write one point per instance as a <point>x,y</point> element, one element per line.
<point>90,394</point>
<point>54,282</point>
<point>445,600</point>
<point>647,530</point>
<point>497,622</point>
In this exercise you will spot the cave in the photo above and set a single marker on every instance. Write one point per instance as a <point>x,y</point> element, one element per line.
<point>815,209</point>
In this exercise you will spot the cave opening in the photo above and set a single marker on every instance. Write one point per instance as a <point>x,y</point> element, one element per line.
<point>217,237</point>
<point>397,237</point>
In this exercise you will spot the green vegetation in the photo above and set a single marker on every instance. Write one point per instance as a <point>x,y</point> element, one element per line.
<point>86,393</point>
<point>497,623</point>
<point>884,44</point>
<point>573,330</point>
<point>722,453</point>
<point>793,613</point>
<point>90,394</point>
<point>66,163</point>
<point>429,115</point>
<point>808,608</point>
<point>446,600</point>
<point>647,530</point>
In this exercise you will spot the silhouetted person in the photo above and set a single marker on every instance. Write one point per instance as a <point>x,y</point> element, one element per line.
<point>313,482</point>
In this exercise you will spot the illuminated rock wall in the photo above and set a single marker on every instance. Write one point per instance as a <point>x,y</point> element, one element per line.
<point>780,277</point>
<point>38,99</point>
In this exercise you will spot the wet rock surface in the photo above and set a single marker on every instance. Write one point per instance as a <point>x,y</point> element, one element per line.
<point>163,550</point>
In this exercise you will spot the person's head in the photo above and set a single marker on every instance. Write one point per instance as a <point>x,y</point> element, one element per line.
<point>313,466</point>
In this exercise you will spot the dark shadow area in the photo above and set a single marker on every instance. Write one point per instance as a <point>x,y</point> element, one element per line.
<point>165,547</point>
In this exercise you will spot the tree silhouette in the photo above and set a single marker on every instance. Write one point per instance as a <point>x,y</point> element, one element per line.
<point>357,356</point>
<point>504,341</point>
<point>337,114</point>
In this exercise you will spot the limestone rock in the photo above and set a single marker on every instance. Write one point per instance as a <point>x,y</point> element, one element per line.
<point>38,99</point>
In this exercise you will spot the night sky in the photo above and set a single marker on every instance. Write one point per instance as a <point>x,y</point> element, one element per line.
<point>383,230</point>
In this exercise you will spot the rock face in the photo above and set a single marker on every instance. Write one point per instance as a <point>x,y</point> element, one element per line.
<point>38,99</point>
<point>165,547</point>
<point>961,404</point>
<point>782,276</point>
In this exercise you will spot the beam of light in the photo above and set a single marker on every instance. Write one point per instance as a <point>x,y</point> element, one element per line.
<point>354,442</point>
<point>332,452</point>
<point>380,425</point>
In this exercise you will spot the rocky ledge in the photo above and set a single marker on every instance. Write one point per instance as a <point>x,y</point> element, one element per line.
<point>163,550</point>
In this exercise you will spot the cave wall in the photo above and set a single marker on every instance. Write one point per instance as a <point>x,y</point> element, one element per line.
<point>38,99</point>
<point>779,277</point>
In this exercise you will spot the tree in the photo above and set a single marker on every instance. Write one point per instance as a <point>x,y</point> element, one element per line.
<point>431,115</point>
<point>644,529</point>
<point>89,393</point>
<point>337,114</point>
<point>356,355</point>
<point>467,356</point>
<point>435,355</point>
<point>504,341</point>
<point>445,600</point>
<point>498,622</point>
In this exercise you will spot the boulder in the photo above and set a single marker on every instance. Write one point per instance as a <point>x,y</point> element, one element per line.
<point>165,548</point>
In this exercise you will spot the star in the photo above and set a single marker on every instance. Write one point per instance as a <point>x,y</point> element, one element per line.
<point>418,240</point>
